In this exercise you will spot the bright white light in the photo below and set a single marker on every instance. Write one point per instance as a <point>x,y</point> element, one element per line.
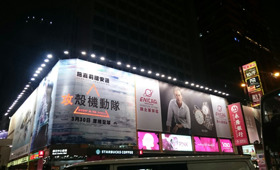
<point>102,58</point>
<point>210,89</point>
<point>186,82</point>
<point>206,88</point>
<point>197,85</point>
<point>201,87</point>
<point>157,74</point>
<point>134,68</point>
<point>92,55</point>
<point>43,65</point>
<point>35,75</point>
<point>40,68</point>
<point>142,70</point>
<point>119,63</point>
<point>25,88</point>
<point>169,77</point>
<point>215,91</point>
<point>49,56</point>
<point>223,93</point>
<point>149,72</point>
<point>6,114</point>
<point>83,53</point>
<point>66,52</point>
<point>174,79</point>
<point>192,84</point>
<point>128,66</point>
<point>27,85</point>
<point>162,75</point>
<point>219,92</point>
<point>38,71</point>
<point>32,79</point>
<point>46,60</point>
<point>227,94</point>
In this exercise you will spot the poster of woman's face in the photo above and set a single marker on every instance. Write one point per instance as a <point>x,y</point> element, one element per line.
<point>199,105</point>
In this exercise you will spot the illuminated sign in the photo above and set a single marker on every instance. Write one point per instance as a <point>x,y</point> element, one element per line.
<point>148,141</point>
<point>59,151</point>
<point>41,154</point>
<point>114,152</point>
<point>226,145</point>
<point>172,142</point>
<point>34,156</point>
<point>248,150</point>
<point>253,81</point>
<point>203,144</point>
<point>18,161</point>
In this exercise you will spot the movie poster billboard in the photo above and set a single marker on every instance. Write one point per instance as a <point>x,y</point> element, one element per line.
<point>193,115</point>
<point>221,116</point>
<point>204,144</point>
<point>171,142</point>
<point>148,104</point>
<point>23,118</point>
<point>237,124</point>
<point>94,104</point>
<point>44,111</point>
<point>148,141</point>
<point>251,123</point>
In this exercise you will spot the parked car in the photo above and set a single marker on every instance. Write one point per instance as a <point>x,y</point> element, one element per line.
<point>211,162</point>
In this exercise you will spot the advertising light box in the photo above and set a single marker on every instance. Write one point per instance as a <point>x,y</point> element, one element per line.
<point>226,146</point>
<point>172,142</point>
<point>148,141</point>
<point>248,150</point>
<point>203,144</point>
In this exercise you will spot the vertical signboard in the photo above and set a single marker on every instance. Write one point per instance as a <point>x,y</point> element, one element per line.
<point>237,124</point>
<point>253,81</point>
<point>251,123</point>
<point>221,116</point>
<point>148,104</point>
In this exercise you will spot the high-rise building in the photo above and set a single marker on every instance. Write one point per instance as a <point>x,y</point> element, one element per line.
<point>234,33</point>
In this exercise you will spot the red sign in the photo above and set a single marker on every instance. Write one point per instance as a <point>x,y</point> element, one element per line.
<point>41,154</point>
<point>237,124</point>
<point>256,97</point>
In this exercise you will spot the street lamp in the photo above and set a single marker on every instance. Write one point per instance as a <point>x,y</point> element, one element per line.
<point>276,74</point>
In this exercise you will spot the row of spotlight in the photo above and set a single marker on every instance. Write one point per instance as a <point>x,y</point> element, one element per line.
<point>27,86</point>
<point>119,63</point>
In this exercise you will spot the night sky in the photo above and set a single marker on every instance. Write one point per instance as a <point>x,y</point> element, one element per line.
<point>25,42</point>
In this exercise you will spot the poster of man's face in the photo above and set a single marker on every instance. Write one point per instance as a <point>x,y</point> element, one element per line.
<point>199,105</point>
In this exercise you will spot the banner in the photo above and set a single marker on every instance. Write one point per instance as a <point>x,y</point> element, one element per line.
<point>221,116</point>
<point>237,124</point>
<point>251,123</point>
<point>23,120</point>
<point>148,104</point>
<point>42,129</point>
<point>193,115</point>
<point>95,105</point>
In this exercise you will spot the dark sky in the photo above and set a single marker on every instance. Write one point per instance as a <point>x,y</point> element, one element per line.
<point>25,42</point>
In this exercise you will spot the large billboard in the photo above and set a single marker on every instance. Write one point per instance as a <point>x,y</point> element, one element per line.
<point>83,102</point>
<point>95,104</point>
<point>204,144</point>
<point>148,140</point>
<point>23,126</point>
<point>171,142</point>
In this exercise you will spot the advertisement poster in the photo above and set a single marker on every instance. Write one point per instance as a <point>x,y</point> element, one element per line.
<point>148,141</point>
<point>226,146</point>
<point>95,105</point>
<point>256,97</point>
<point>237,124</point>
<point>44,111</point>
<point>249,150</point>
<point>186,111</point>
<point>148,104</point>
<point>172,142</point>
<point>221,116</point>
<point>24,117</point>
<point>203,144</point>
<point>251,123</point>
